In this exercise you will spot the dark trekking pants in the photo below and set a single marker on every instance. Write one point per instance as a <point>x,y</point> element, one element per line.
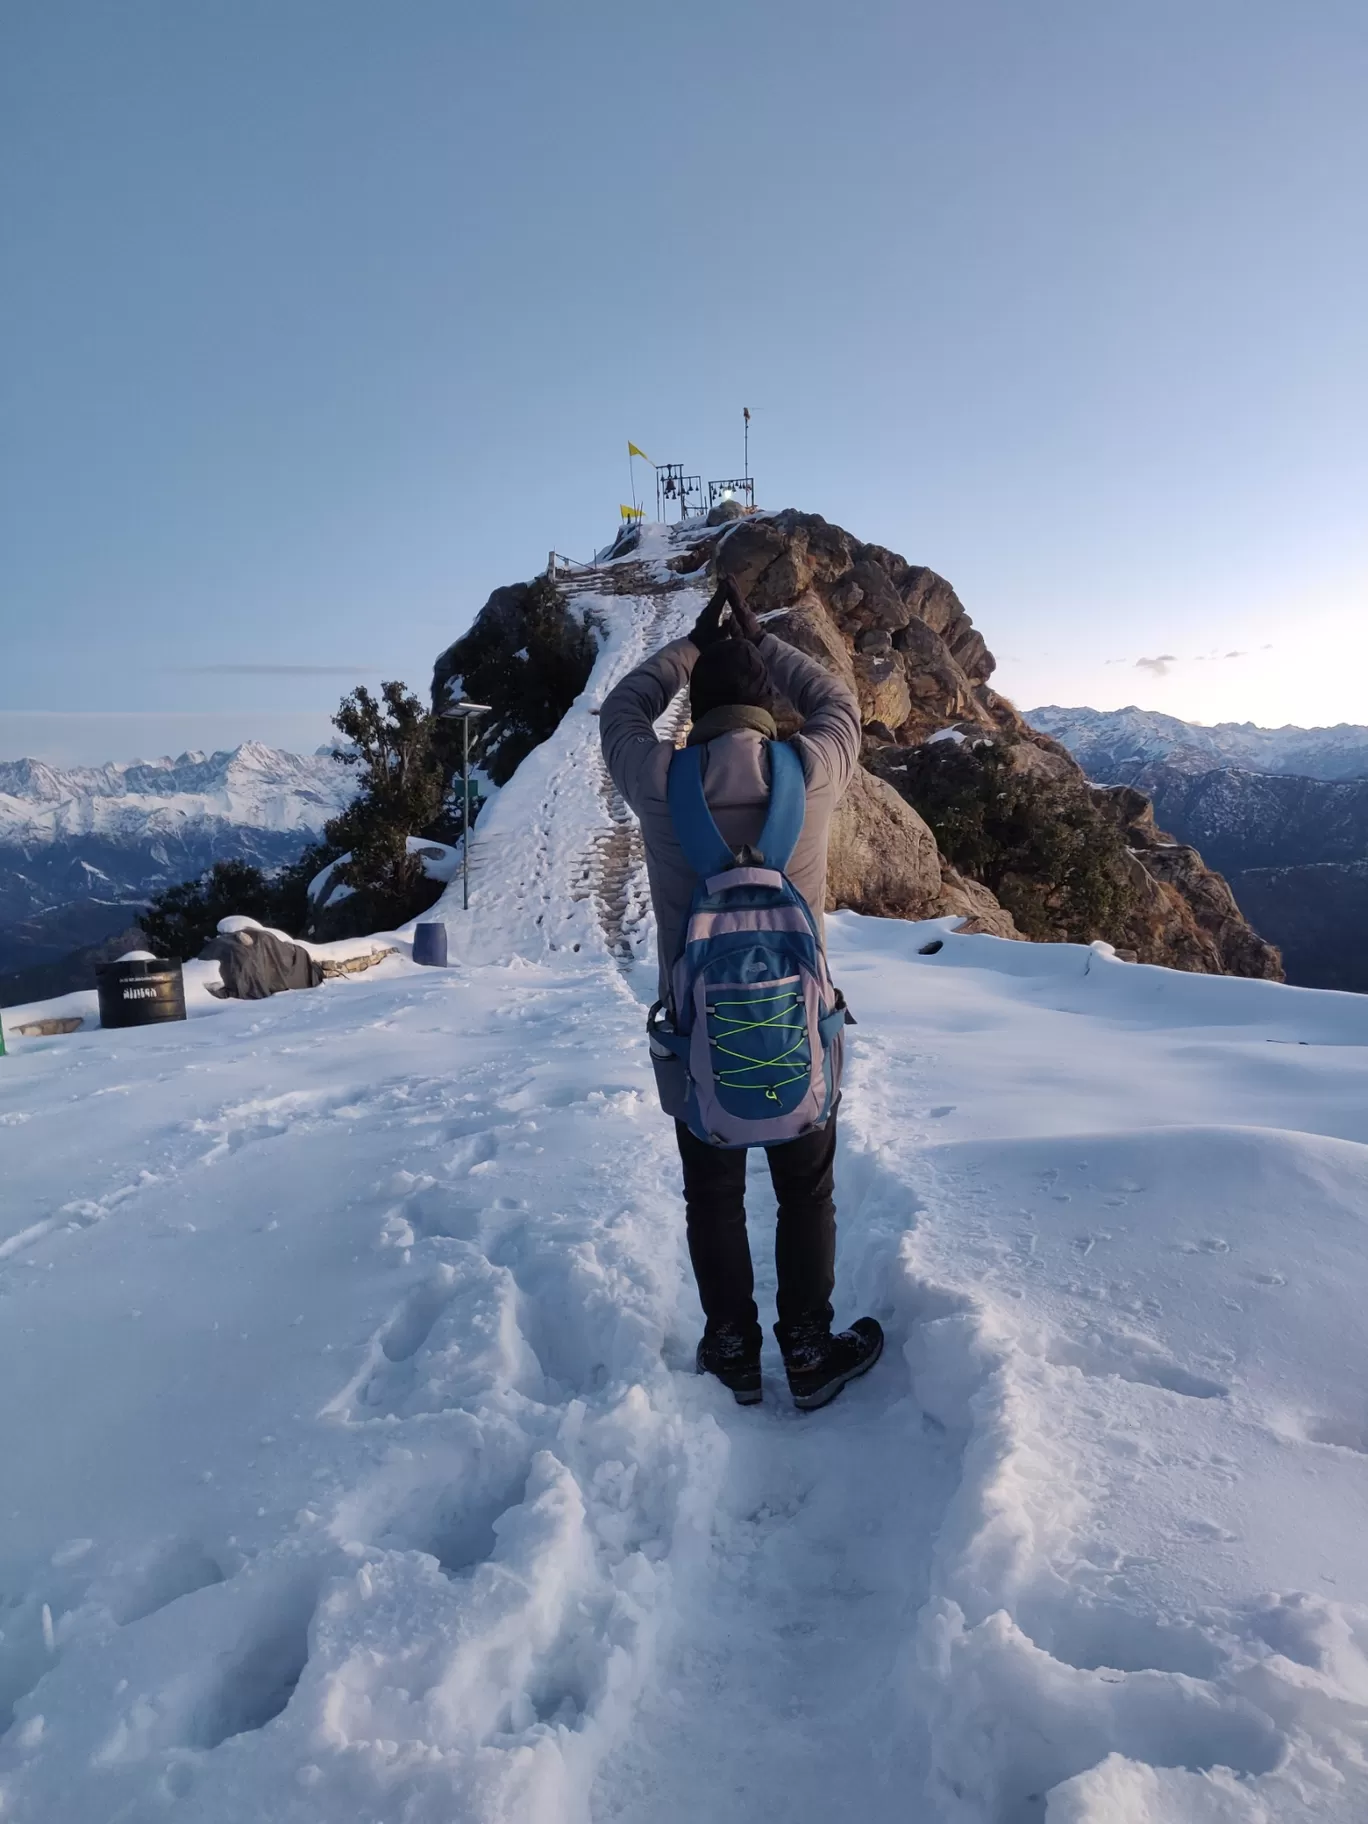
<point>802,1171</point>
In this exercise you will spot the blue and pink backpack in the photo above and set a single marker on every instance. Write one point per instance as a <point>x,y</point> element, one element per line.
<point>754,1018</point>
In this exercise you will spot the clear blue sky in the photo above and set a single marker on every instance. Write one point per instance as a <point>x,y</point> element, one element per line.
<point>323,318</point>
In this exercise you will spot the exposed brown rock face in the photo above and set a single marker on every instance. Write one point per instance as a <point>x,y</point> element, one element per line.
<point>881,857</point>
<point>971,901</point>
<point>1205,895</point>
<point>916,658</point>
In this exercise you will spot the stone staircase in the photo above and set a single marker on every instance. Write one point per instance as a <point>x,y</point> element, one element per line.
<point>614,867</point>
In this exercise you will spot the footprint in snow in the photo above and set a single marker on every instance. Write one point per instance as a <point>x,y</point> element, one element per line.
<point>412,1324</point>
<point>472,1152</point>
<point>1343,1434</point>
<point>257,1681</point>
<point>171,1570</point>
<point>1207,1532</point>
<point>1132,1359</point>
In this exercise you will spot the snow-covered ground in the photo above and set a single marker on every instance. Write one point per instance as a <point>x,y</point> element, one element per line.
<point>354,1468</point>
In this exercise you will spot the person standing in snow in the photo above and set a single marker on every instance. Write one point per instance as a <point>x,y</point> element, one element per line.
<point>734,670</point>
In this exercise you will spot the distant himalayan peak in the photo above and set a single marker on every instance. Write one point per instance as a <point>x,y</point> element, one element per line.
<point>1110,743</point>
<point>39,779</point>
<point>252,785</point>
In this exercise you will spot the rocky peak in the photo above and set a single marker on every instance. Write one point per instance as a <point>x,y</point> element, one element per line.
<point>33,779</point>
<point>917,660</point>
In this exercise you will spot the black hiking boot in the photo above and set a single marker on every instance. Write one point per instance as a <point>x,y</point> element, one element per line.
<point>734,1357</point>
<point>819,1364</point>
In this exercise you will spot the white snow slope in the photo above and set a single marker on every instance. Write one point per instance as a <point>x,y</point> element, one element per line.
<point>354,1469</point>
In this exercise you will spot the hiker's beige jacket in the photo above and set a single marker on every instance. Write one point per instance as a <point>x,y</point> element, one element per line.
<point>735,773</point>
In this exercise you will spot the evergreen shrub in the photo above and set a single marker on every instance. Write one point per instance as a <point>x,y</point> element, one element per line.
<point>1054,860</point>
<point>528,657</point>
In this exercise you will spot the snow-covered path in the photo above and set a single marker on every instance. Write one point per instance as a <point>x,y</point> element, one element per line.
<point>354,1468</point>
<point>780,1690</point>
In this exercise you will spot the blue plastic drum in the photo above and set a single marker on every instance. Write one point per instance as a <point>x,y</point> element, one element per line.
<point>430,945</point>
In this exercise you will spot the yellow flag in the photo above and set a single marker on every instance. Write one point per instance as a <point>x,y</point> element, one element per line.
<point>632,512</point>
<point>632,450</point>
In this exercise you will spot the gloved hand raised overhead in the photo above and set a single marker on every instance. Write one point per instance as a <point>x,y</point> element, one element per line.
<point>726,617</point>
<point>715,622</point>
<point>747,623</point>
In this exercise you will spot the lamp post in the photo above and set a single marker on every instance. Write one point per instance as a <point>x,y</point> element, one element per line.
<point>465,713</point>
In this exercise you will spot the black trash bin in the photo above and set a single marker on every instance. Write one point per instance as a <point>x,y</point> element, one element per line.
<point>140,991</point>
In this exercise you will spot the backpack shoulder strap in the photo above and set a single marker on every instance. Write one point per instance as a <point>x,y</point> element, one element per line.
<point>704,848</point>
<point>787,807</point>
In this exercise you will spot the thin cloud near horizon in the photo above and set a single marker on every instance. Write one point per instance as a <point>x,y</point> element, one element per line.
<point>275,671</point>
<point>1161,664</point>
<point>151,715</point>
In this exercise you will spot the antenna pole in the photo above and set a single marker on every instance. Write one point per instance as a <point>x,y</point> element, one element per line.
<point>465,819</point>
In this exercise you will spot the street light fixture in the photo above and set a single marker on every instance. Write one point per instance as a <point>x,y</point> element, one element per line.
<point>465,713</point>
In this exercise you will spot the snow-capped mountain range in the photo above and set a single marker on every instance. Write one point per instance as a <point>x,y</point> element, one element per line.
<point>261,788</point>
<point>1105,741</point>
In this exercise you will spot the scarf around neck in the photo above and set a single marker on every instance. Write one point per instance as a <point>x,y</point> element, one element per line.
<point>728,718</point>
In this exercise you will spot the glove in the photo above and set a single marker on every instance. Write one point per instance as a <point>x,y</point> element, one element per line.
<point>714,623</point>
<point>747,624</point>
